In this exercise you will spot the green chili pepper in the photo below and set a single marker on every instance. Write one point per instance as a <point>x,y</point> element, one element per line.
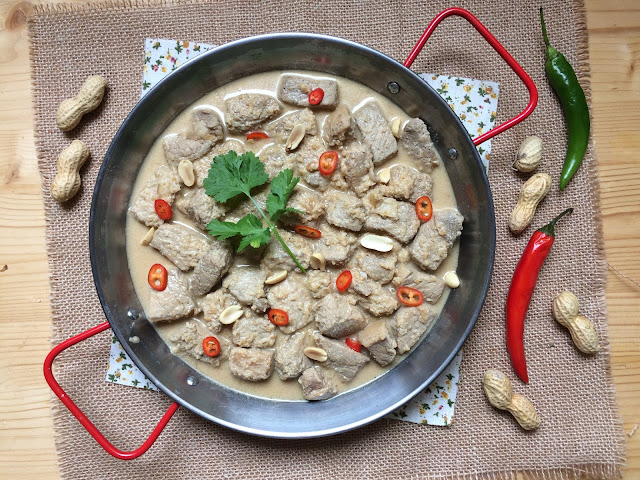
<point>564,82</point>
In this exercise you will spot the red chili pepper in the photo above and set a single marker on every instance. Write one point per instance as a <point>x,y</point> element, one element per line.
<point>424,209</point>
<point>316,96</point>
<point>410,296</point>
<point>257,136</point>
<point>344,280</point>
<point>308,232</point>
<point>278,317</point>
<point>328,162</point>
<point>163,209</point>
<point>211,346</point>
<point>521,290</point>
<point>157,277</point>
<point>353,344</point>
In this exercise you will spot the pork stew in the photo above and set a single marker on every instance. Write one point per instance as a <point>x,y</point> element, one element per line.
<point>351,276</point>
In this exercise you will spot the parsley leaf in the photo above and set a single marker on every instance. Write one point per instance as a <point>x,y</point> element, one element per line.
<point>249,227</point>
<point>281,189</point>
<point>230,175</point>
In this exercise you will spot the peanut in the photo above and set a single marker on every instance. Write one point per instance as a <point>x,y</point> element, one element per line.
<point>498,390</point>
<point>531,194</point>
<point>185,171</point>
<point>529,154</point>
<point>317,261</point>
<point>88,98</point>
<point>315,353</point>
<point>583,332</point>
<point>67,180</point>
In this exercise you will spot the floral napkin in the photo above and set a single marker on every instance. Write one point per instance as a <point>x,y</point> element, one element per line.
<point>474,101</point>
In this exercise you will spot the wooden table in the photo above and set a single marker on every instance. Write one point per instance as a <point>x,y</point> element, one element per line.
<point>26,428</point>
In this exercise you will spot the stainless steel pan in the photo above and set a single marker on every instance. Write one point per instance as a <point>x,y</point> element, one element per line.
<point>149,118</point>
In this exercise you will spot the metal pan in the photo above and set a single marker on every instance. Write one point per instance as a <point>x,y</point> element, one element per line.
<point>150,117</point>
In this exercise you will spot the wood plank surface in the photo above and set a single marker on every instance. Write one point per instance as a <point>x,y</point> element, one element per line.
<point>26,429</point>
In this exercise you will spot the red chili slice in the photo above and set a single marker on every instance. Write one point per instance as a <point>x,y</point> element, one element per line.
<point>316,96</point>
<point>257,136</point>
<point>211,346</point>
<point>344,280</point>
<point>278,317</point>
<point>308,232</point>
<point>353,344</point>
<point>163,209</point>
<point>410,296</point>
<point>328,162</point>
<point>424,209</point>
<point>157,277</point>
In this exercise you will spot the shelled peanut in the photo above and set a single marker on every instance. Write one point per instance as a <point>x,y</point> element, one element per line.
<point>583,332</point>
<point>88,98</point>
<point>67,180</point>
<point>499,392</point>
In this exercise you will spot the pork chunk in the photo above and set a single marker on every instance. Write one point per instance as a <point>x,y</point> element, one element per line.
<point>345,211</point>
<point>182,245</point>
<point>376,132</point>
<point>290,358</point>
<point>381,301</point>
<point>189,341</point>
<point>341,358</point>
<point>291,296</point>
<point>200,207</point>
<point>247,111</point>
<point>416,140</point>
<point>338,316</point>
<point>429,285</point>
<point>435,238</point>
<point>391,217</point>
<point>247,285</point>
<point>164,184</point>
<point>212,306</point>
<point>295,90</point>
<point>319,283</point>
<point>206,125</point>
<point>276,258</point>
<point>210,268</point>
<point>253,331</point>
<point>201,166</point>
<point>423,186</point>
<point>251,364</point>
<point>281,128</point>
<point>376,338</point>
<point>173,302</point>
<point>304,161</point>
<point>275,159</point>
<point>335,245</point>
<point>337,127</point>
<point>406,183</point>
<point>410,323</point>
<point>357,167</point>
<point>179,147</point>
<point>308,201</point>
<point>315,385</point>
<point>379,267</point>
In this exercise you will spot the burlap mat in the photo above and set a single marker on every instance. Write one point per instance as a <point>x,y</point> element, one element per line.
<point>581,430</point>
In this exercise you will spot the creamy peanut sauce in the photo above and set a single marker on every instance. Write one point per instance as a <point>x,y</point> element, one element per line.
<point>140,258</point>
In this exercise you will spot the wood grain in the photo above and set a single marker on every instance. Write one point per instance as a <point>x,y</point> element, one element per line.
<point>26,430</point>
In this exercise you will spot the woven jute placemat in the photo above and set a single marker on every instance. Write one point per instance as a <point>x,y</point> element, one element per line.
<point>581,430</point>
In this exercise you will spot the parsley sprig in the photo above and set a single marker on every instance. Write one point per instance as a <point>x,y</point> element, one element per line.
<point>231,175</point>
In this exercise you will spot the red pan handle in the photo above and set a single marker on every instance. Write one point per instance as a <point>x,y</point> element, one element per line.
<point>497,46</point>
<point>86,423</point>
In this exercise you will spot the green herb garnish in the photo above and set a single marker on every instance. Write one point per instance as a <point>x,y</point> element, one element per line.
<point>231,175</point>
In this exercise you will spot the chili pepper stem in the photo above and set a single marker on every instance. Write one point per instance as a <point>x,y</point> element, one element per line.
<point>548,229</point>
<point>551,52</point>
